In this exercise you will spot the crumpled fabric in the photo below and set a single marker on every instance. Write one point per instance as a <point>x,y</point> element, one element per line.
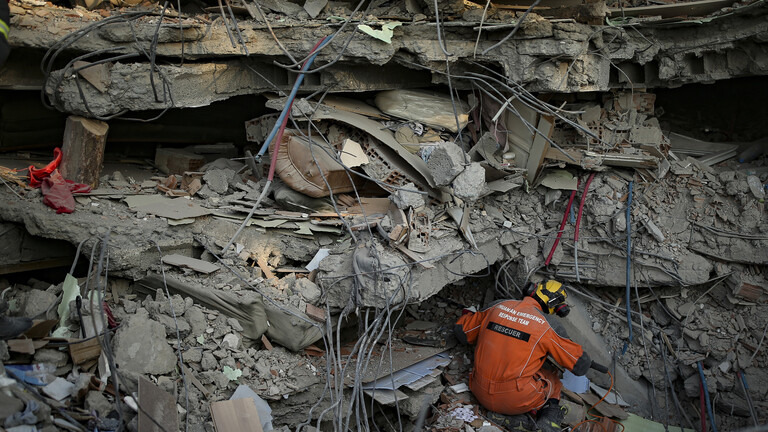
<point>36,176</point>
<point>26,417</point>
<point>57,191</point>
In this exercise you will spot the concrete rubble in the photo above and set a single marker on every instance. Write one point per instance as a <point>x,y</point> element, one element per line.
<point>320,253</point>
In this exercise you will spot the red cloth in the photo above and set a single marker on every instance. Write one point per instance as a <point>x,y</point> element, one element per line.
<point>57,191</point>
<point>36,176</point>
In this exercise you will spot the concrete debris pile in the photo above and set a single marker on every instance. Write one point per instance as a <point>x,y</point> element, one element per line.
<point>149,337</point>
<point>359,215</point>
<point>400,164</point>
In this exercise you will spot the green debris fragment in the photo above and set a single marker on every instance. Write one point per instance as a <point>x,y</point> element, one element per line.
<point>201,339</point>
<point>385,34</point>
<point>232,374</point>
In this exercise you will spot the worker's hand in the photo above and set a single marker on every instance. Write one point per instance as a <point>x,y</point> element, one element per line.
<point>598,367</point>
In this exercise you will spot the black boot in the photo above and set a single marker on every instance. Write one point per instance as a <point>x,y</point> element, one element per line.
<point>551,416</point>
<point>11,327</point>
<point>520,422</point>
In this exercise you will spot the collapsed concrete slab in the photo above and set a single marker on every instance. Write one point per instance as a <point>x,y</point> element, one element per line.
<point>683,54</point>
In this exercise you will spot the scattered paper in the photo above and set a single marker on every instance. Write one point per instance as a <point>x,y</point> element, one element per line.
<point>59,389</point>
<point>71,290</point>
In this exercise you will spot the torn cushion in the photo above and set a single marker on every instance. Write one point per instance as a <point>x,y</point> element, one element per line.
<point>306,166</point>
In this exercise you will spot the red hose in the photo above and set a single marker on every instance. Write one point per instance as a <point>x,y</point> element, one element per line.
<point>581,208</point>
<point>562,225</point>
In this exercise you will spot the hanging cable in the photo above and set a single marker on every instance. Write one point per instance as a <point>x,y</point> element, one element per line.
<point>277,132</point>
<point>578,223</point>
<point>705,390</point>
<point>629,265</point>
<point>562,226</point>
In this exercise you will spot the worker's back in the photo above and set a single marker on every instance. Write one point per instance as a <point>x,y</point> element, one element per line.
<point>513,339</point>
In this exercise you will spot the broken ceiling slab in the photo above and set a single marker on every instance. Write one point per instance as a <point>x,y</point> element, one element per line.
<point>190,263</point>
<point>175,208</point>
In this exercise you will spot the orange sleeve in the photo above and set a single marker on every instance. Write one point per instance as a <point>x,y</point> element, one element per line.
<point>468,326</point>
<point>566,352</point>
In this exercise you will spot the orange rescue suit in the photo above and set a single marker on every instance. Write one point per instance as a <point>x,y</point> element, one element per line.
<point>513,339</point>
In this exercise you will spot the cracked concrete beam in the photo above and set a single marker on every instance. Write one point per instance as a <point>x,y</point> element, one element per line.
<point>199,84</point>
<point>549,57</point>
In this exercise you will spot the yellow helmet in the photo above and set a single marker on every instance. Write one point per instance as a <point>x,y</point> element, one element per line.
<point>551,296</point>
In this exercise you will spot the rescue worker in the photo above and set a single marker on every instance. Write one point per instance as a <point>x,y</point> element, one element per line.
<point>5,14</point>
<point>513,339</point>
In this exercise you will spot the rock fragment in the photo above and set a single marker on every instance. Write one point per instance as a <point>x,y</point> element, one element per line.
<point>404,199</point>
<point>446,162</point>
<point>140,346</point>
<point>470,184</point>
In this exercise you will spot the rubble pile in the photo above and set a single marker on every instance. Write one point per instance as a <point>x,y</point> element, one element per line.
<point>149,336</point>
<point>379,234</point>
<point>402,164</point>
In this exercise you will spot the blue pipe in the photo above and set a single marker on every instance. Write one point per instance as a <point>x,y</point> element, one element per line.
<point>706,397</point>
<point>291,97</point>
<point>629,264</point>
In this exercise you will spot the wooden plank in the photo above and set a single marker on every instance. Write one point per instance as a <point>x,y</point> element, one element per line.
<point>35,265</point>
<point>156,404</point>
<point>83,149</point>
<point>40,328</point>
<point>21,346</point>
<point>239,415</point>
<point>316,313</point>
<point>370,206</point>
<point>262,263</point>
<point>196,382</point>
<point>266,342</point>
<point>556,154</point>
<point>82,352</point>
<point>291,270</point>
